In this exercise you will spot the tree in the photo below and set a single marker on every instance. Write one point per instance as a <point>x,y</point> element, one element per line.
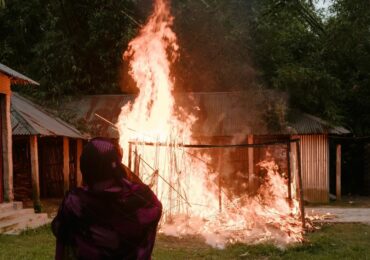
<point>323,65</point>
<point>20,30</point>
<point>347,57</point>
<point>69,46</point>
<point>213,38</point>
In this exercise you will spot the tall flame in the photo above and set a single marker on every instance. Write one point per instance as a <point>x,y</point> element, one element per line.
<point>185,184</point>
<point>150,54</point>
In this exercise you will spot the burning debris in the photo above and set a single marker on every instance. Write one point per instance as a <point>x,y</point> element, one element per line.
<point>265,217</point>
<point>185,178</point>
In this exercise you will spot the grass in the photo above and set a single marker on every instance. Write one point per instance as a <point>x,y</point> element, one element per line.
<point>31,244</point>
<point>336,241</point>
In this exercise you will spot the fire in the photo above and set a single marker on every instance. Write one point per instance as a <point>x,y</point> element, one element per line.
<point>152,113</point>
<point>187,186</point>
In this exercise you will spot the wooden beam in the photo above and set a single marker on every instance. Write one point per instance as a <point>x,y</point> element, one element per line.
<point>137,160</point>
<point>35,173</point>
<point>78,166</point>
<point>7,154</point>
<point>129,155</point>
<point>219,170</point>
<point>300,184</point>
<point>339,172</point>
<point>289,172</point>
<point>66,164</point>
<point>250,165</point>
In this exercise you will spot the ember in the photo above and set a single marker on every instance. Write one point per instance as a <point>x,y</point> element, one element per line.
<point>185,179</point>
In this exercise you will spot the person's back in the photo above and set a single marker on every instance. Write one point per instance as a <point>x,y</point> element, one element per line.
<point>109,218</point>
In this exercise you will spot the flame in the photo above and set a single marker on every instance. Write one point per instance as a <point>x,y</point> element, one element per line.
<point>152,114</point>
<point>186,185</point>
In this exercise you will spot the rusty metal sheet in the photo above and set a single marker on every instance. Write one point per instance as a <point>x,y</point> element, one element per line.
<point>315,167</point>
<point>222,114</point>
<point>303,123</point>
<point>29,119</point>
<point>15,76</point>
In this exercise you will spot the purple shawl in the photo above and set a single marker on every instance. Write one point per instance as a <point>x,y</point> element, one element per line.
<point>117,220</point>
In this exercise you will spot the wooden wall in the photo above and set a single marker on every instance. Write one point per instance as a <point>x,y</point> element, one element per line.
<point>51,166</point>
<point>22,168</point>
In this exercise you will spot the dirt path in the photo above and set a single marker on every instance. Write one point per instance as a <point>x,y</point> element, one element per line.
<point>340,215</point>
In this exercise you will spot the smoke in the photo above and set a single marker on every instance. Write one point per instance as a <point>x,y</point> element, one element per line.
<point>213,36</point>
<point>194,187</point>
<point>214,56</point>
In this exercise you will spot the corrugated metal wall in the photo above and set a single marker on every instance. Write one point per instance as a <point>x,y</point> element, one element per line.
<point>315,167</point>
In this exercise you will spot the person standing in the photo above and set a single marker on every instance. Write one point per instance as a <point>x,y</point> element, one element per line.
<point>113,216</point>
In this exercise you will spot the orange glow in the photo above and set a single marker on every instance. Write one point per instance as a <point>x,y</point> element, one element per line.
<point>186,185</point>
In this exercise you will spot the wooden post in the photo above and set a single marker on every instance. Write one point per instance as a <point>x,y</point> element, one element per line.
<point>137,163</point>
<point>289,173</point>
<point>250,165</point>
<point>7,154</point>
<point>129,155</point>
<point>2,177</point>
<point>66,164</point>
<point>338,172</point>
<point>78,166</point>
<point>300,184</point>
<point>35,173</point>
<point>220,155</point>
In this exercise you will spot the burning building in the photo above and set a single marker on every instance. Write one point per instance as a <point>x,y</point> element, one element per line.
<point>188,181</point>
<point>191,166</point>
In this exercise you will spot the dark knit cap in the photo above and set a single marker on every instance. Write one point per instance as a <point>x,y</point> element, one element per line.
<point>100,160</point>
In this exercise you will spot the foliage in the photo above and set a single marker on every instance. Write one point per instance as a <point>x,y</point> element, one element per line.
<point>347,57</point>
<point>322,62</point>
<point>20,30</point>
<point>213,37</point>
<point>342,241</point>
<point>68,46</point>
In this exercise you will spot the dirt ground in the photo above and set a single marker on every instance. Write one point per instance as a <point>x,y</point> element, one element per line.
<point>49,206</point>
<point>348,210</point>
<point>340,215</point>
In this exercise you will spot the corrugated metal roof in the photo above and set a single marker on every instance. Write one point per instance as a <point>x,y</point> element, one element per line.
<point>15,76</point>
<point>222,114</point>
<point>28,119</point>
<point>107,106</point>
<point>303,123</point>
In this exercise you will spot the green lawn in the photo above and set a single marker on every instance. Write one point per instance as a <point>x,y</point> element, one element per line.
<point>340,241</point>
